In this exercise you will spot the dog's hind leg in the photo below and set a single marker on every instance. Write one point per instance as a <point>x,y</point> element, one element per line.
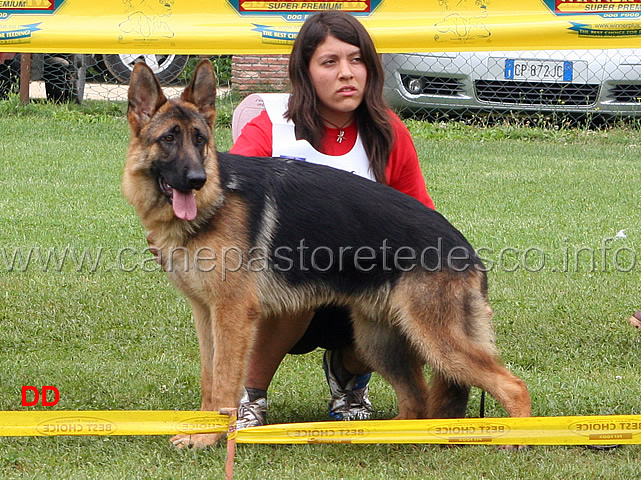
<point>388,352</point>
<point>448,319</point>
<point>488,374</point>
<point>447,399</point>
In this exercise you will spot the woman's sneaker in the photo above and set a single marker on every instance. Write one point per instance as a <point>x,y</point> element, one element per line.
<point>251,413</point>
<point>349,401</point>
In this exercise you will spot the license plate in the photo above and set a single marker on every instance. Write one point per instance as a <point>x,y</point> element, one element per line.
<point>545,70</point>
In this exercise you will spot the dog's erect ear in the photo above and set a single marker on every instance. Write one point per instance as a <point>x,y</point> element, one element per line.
<point>145,96</point>
<point>201,91</point>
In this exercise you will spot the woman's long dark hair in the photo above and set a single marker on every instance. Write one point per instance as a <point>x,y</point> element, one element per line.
<point>371,115</point>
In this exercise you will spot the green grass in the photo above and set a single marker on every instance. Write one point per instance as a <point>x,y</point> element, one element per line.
<point>108,338</point>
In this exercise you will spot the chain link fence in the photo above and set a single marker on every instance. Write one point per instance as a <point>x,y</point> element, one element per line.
<point>541,86</point>
<point>76,78</point>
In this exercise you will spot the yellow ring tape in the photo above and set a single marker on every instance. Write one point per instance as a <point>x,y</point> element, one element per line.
<point>582,430</point>
<point>574,430</point>
<point>110,422</point>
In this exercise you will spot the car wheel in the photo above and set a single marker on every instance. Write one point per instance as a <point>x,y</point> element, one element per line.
<point>166,67</point>
<point>59,78</point>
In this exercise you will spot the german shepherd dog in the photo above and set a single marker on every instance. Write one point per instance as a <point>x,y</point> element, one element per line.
<point>300,236</point>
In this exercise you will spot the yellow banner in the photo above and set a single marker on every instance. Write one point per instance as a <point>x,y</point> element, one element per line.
<point>576,430</point>
<point>255,26</point>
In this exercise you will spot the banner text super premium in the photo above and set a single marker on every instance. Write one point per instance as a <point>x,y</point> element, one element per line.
<point>249,26</point>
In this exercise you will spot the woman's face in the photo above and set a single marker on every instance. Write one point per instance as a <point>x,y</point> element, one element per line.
<point>339,77</point>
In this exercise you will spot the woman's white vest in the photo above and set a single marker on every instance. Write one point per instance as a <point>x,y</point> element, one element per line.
<point>284,143</point>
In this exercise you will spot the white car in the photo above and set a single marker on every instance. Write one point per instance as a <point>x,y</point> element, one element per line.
<point>565,81</point>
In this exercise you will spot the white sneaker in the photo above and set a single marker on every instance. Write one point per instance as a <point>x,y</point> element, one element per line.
<point>350,401</point>
<point>251,414</point>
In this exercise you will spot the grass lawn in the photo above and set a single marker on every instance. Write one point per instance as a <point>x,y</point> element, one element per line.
<point>83,308</point>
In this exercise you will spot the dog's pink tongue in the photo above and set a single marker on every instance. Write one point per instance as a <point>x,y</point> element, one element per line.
<point>184,205</point>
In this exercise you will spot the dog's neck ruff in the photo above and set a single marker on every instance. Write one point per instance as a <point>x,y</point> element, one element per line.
<point>206,215</point>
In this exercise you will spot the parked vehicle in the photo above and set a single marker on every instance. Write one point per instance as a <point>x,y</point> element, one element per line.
<point>64,75</point>
<point>165,67</point>
<point>567,81</point>
<point>59,73</point>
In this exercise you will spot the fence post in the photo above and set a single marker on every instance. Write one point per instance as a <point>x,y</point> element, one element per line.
<point>25,76</point>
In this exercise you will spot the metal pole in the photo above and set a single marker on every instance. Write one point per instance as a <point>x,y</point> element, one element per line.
<point>231,441</point>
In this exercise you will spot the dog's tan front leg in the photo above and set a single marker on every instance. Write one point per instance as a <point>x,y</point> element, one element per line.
<point>204,329</point>
<point>234,332</point>
<point>225,338</point>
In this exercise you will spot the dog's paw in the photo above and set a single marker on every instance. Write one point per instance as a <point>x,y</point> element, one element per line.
<point>635,321</point>
<point>514,448</point>
<point>197,441</point>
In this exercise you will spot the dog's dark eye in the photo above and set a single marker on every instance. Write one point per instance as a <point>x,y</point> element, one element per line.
<point>168,138</point>
<point>200,139</point>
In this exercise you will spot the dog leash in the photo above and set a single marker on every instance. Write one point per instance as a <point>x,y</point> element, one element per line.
<point>482,409</point>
